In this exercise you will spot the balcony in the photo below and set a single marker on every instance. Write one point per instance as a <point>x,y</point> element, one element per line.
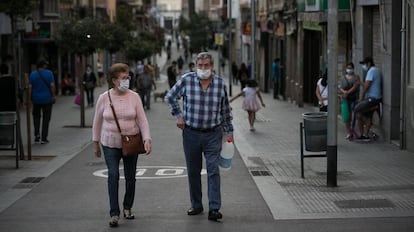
<point>320,5</point>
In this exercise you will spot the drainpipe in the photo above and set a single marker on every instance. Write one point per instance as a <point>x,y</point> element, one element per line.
<point>253,40</point>
<point>403,138</point>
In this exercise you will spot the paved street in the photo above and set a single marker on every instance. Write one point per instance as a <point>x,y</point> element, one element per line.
<point>262,192</point>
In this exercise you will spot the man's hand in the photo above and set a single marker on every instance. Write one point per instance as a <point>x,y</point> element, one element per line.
<point>230,139</point>
<point>181,123</point>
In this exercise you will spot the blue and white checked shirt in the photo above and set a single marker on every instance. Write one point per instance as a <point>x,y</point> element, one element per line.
<point>201,108</point>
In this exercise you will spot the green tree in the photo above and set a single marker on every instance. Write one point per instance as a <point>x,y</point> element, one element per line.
<point>114,38</point>
<point>140,47</point>
<point>82,37</point>
<point>13,8</point>
<point>198,29</point>
<point>124,16</point>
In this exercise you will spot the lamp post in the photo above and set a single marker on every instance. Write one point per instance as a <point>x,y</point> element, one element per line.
<point>230,18</point>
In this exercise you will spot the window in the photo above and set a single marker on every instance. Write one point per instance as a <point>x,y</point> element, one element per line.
<point>50,7</point>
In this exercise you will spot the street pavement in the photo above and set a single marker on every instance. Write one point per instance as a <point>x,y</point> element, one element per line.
<point>264,191</point>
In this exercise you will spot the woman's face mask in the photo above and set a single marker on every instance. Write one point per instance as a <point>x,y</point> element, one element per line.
<point>203,73</point>
<point>123,85</point>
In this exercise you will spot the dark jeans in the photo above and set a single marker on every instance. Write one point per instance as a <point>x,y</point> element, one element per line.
<point>171,83</point>
<point>364,106</point>
<point>195,144</point>
<point>145,97</point>
<point>112,158</point>
<point>89,96</point>
<point>43,111</point>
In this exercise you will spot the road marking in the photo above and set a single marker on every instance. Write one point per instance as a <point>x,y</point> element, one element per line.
<point>152,172</point>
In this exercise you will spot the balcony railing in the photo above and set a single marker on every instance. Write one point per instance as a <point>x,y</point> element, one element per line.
<point>320,5</point>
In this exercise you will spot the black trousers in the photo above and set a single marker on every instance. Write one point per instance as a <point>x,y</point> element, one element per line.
<point>43,111</point>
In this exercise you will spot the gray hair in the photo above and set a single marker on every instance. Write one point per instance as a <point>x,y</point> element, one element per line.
<point>203,56</point>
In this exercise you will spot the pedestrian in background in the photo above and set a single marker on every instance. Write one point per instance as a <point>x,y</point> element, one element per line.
<point>243,75</point>
<point>145,83</point>
<point>276,78</point>
<point>89,79</point>
<point>191,66</point>
<point>42,92</point>
<point>349,89</point>
<point>132,120</point>
<point>322,92</point>
<point>250,103</point>
<point>101,77</point>
<point>235,72</point>
<point>68,85</point>
<point>205,115</point>
<point>172,74</point>
<point>180,64</point>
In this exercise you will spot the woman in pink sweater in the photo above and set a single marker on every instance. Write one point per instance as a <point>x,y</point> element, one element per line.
<point>132,120</point>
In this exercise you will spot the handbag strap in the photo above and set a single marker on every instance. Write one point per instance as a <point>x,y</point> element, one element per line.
<point>113,111</point>
<point>45,82</point>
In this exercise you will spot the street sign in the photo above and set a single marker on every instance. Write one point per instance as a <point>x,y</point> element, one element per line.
<point>218,39</point>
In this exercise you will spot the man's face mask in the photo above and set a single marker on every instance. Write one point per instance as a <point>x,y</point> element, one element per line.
<point>365,67</point>
<point>203,73</point>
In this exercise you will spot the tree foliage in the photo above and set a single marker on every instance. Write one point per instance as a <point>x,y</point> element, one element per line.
<point>81,37</point>
<point>124,16</point>
<point>140,47</point>
<point>13,8</point>
<point>114,38</point>
<point>85,36</point>
<point>198,29</point>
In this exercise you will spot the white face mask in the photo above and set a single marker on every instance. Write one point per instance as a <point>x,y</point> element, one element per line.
<point>203,73</point>
<point>123,85</point>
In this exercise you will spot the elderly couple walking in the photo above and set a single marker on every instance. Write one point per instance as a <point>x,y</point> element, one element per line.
<point>204,116</point>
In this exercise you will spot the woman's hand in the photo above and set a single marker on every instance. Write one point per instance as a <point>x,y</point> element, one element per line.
<point>96,149</point>
<point>147,146</point>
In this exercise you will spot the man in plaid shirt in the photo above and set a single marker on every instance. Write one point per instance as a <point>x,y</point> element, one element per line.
<point>206,114</point>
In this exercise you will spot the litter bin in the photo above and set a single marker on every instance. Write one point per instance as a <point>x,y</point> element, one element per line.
<point>315,126</point>
<point>7,126</point>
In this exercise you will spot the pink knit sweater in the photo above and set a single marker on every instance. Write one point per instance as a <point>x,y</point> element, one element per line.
<point>131,118</point>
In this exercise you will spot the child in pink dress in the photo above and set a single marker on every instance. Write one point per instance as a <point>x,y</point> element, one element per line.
<point>250,103</point>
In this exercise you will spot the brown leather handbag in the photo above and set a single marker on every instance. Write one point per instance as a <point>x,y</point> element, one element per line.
<point>131,144</point>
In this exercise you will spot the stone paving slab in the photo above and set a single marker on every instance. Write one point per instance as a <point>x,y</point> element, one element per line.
<point>374,179</point>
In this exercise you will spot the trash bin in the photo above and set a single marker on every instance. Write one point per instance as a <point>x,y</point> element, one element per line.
<point>315,126</point>
<point>7,125</point>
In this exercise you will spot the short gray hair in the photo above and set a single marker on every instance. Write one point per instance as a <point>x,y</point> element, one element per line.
<point>203,56</point>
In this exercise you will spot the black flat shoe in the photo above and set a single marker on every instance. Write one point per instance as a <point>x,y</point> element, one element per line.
<point>128,215</point>
<point>114,221</point>
<point>194,211</point>
<point>214,215</point>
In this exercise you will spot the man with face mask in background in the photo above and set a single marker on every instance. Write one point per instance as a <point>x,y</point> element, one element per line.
<point>203,119</point>
<point>371,96</point>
